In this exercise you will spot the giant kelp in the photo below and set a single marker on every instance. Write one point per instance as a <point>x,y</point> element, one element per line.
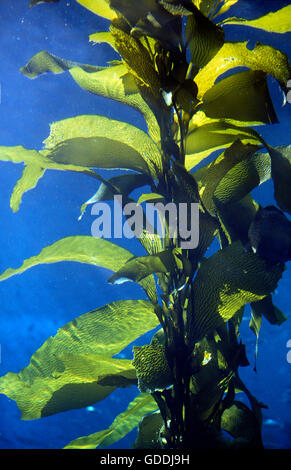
<point>173,55</point>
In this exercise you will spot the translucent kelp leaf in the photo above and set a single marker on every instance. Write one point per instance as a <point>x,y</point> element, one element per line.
<point>226,4</point>
<point>150,197</point>
<point>35,165</point>
<point>75,368</point>
<point>210,7</point>
<point>255,326</point>
<point>89,141</point>
<point>142,266</point>
<point>83,249</point>
<point>206,6</point>
<point>243,96</point>
<point>124,185</point>
<point>236,54</point>
<point>122,425</point>
<point>152,242</point>
<point>152,368</point>
<point>44,62</point>
<point>99,7</point>
<point>30,177</point>
<point>100,37</point>
<point>225,282</point>
<point>112,82</point>
<point>207,135</point>
<point>243,178</point>
<point>281,174</point>
<point>273,22</point>
<point>204,39</point>
<point>138,59</point>
<point>241,423</point>
<point>210,176</point>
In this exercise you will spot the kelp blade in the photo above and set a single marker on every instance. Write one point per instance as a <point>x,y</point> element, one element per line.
<point>99,7</point>
<point>35,165</point>
<point>112,82</point>
<point>219,292</point>
<point>88,140</point>
<point>273,22</point>
<point>122,425</point>
<point>75,368</point>
<point>236,54</point>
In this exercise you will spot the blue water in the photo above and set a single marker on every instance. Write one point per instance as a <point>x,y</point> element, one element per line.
<point>35,304</point>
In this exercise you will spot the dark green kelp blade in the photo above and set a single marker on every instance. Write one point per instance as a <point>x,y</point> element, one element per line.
<point>224,283</point>
<point>241,423</point>
<point>203,37</point>
<point>281,174</point>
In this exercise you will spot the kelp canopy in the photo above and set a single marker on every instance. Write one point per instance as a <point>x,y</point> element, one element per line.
<point>173,59</point>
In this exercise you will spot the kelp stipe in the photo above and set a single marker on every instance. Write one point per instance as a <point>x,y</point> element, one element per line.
<point>172,56</point>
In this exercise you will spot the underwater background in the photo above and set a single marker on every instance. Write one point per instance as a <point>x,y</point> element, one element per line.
<point>41,300</point>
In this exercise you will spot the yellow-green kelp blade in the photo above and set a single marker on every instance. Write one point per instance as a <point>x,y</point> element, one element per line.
<point>225,6</point>
<point>35,165</point>
<point>152,368</point>
<point>137,59</point>
<point>237,54</point>
<point>83,249</point>
<point>221,187</point>
<point>243,96</point>
<point>112,82</point>
<point>206,135</point>
<point>225,282</point>
<point>99,7</point>
<point>75,368</point>
<point>213,8</point>
<point>122,425</point>
<point>242,178</point>
<point>101,37</point>
<point>89,141</point>
<point>142,266</point>
<point>273,22</point>
<point>210,176</point>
